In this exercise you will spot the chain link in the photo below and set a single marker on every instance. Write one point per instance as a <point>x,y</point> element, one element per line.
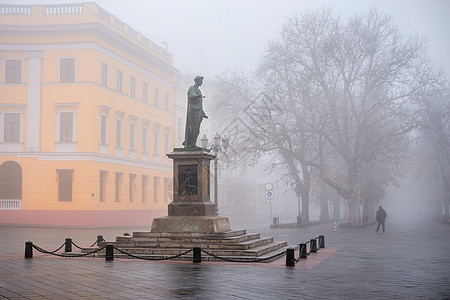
<point>151,258</point>
<point>67,255</point>
<point>243,260</point>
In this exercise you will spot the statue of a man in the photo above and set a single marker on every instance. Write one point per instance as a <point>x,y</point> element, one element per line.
<point>195,113</point>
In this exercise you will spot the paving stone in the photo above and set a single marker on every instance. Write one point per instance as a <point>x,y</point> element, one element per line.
<point>409,261</point>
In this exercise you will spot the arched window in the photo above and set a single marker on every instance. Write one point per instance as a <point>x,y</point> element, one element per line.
<point>10,180</point>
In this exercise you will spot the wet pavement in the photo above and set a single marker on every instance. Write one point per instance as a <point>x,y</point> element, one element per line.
<point>409,261</point>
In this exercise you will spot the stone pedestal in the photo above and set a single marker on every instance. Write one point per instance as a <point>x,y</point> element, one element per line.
<point>191,209</point>
<point>206,224</point>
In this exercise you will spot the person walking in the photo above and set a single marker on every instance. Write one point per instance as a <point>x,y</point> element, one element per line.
<point>381,218</point>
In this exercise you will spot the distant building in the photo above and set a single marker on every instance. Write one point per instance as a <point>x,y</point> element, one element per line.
<point>87,116</point>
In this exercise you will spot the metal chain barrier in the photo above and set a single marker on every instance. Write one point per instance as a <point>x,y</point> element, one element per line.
<point>243,260</point>
<point>67,255</point>
<point>77,246</point>
<point>303,253</point>
<point>152,258</point>
<point>290,255</point>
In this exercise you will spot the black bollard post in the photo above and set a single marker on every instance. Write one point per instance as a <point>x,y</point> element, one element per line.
<point>321,241</point>
<point>303,253</point>
<point>109,252</point>
<point>99,239</point>
<point>28,250</point>
<point>313,245</point>
<point>68,247</point>
<point>290,260</point>
<point>197,255</point>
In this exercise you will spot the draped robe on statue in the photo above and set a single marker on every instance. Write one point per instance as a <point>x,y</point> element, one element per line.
<point>195,115</point>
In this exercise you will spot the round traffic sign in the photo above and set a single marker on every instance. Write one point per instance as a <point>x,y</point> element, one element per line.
<point>268,186</point>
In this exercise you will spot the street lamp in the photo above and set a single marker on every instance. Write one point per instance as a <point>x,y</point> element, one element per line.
<point>215,146</point>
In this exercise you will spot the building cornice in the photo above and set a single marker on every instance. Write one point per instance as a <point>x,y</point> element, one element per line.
<point>90,157</point>
<point>99,30</point>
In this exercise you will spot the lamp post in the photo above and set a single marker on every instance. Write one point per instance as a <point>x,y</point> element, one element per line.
<point>215,146</point>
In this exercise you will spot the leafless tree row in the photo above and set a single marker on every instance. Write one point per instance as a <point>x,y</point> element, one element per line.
<point>339,103</point>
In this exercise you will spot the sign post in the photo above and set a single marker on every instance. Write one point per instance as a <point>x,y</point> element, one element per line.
<point>269,196</point>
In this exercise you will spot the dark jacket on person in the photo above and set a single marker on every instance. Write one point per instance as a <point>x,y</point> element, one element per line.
<point>381,215</point>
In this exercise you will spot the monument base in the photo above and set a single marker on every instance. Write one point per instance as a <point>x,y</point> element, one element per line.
<point>178,209</point>
<point>200,224</point>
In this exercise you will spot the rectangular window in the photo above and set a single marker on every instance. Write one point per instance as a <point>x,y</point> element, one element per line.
<point>144,187</point>
<point>179,128</point>
<point>156,95</point>
<point>132,137</point>
<point>166,101</point>
<point>119,81</point>
<point>155,188</point>
<point>13,71</point>
<point>166,189</point>
<point>155,142</point>
<point>144,140</point>
<point>132,187</point>
<point>119,133</point>
<point>67,70</point>
<point>65,179</point>
<point>118,186</point>
<point>66,124</point>
<point>103,129</point>
<point>145,92</point>
<point>166,143</point>
<point>103,180</point>
<point>104,81</point>
<point>12,127</point>
<point>132,87</point>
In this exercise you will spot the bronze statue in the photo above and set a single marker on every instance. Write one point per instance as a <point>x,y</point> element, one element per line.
<point>195,114</point>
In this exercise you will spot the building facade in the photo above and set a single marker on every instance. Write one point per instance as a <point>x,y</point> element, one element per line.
<point>87,116</point>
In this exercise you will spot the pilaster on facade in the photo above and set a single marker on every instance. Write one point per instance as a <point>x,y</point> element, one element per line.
<point>34,100</point>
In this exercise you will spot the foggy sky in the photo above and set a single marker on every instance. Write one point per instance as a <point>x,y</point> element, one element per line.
<point>206,37</point>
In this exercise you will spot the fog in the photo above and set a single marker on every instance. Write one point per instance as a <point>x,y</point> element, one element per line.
<point>208,37</point>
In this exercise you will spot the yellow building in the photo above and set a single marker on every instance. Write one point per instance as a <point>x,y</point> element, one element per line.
<point>86,118</point>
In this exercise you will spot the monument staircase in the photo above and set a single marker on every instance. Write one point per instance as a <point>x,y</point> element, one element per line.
<point>192,222</point>
<point>233,245</point>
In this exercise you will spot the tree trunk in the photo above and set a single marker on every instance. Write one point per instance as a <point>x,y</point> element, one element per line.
<point>353,216</point>
<point>324,213</point>
<point>336,209</point>
<point>305,207</point>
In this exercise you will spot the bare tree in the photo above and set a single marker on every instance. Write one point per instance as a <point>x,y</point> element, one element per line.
<point>339,97</point>
<point>367,75</point>
<point>434,119</point>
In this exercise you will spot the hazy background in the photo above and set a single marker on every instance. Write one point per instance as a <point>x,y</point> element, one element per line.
<point>208,36</point>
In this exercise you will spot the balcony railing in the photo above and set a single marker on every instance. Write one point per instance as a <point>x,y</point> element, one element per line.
<point>10,204</point>
<point>16,10</point>
<point>79,8</point>
<point>63,9</point>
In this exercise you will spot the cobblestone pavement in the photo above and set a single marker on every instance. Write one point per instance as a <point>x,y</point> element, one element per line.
<point>409,261</point>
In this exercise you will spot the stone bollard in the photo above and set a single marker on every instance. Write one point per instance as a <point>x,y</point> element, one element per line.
<point>302,250</point>
<point>99,240</point>
<point>321,241</point>
<point>290,260</point>
<point>197,254</point>
<point>109,252</point>
<point>313,245</point>
<point>28,250</point>
<point>68,246</point>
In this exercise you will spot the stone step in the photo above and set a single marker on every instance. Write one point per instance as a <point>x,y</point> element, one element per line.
<point>269,256</point>
<point>243,242</point>
<point>192,241</point>
<point>254,252</point>
<point>219,235</point>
